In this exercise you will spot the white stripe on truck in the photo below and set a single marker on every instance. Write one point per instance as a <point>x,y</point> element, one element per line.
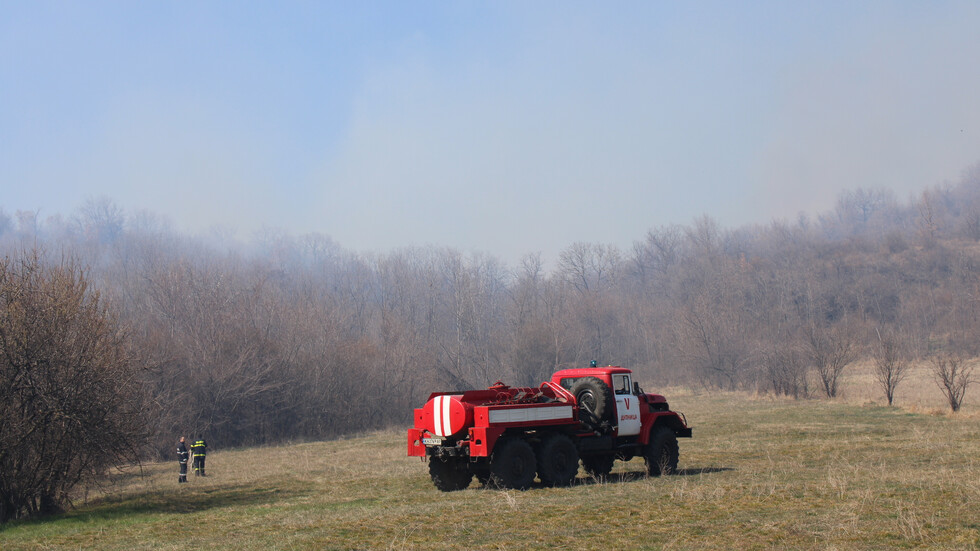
<point>437,414</point>
<point>535,413</point>
<point>447,423</point>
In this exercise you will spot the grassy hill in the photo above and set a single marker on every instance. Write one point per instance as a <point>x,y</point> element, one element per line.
<point>759,473</point>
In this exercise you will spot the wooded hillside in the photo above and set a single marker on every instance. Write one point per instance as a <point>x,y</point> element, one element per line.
<point>295,337</point>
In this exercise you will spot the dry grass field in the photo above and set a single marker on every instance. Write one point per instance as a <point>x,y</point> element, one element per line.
<point>760,473</point>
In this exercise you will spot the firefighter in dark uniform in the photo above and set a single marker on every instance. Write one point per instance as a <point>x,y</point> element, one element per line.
<point>182,456</point>
<point>200,451</point>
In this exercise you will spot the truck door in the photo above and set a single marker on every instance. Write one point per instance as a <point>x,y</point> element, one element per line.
<point>627,405</point>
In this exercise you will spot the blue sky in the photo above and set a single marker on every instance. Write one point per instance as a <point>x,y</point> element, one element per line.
<point>504,127</point>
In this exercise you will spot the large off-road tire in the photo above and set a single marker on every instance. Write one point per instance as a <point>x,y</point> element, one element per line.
<point>661,452</point>
<point>482,472</point>
<point>598,465</point>
<point>450,474</point>
<point>596,398</point>
<point>557,460</point>
<point>513,464</point>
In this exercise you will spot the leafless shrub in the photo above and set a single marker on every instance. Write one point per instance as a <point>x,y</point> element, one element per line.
<point>830,350</point>
<point>786,371</point>
<point>890,365</point>
<point>69,398</point>
<point>952,376</point>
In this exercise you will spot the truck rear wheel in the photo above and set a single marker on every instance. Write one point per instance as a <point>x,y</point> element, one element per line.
<point>598,465</point>
<point>449,475</point>
<point>513,464</point>
<point>557,460</point>
<point>661,453</point>
<point>595,397</point>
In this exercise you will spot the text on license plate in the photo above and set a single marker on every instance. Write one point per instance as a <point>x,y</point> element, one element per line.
<point>432,441</point>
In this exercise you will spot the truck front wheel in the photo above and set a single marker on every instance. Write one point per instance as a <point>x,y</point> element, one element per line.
<point>557,460</point>
<point>449,475</point>
<point>513,464</point>
<point>661,453</point>
<point>598,465</point>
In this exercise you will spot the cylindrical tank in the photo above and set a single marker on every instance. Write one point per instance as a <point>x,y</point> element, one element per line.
<point>447,415</point>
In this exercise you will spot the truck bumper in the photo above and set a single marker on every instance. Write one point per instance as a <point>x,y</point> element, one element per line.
<point>415,446</point>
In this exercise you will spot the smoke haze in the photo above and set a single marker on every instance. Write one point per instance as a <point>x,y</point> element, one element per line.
<point>508,128</point>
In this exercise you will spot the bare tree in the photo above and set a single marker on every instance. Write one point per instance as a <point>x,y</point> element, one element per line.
<point>591,272</point>
<point>713,340</point>
<point>786,369</point>
<point>952,376</point>
<point>529,343</point>
<point>929,219</point>
<point>861,204</point>
<point>459,280</point>
<point>27,224</point>
<point>891,365</point>
<point>654,257</point>
<point>100,219</point>
<point>830,350</point>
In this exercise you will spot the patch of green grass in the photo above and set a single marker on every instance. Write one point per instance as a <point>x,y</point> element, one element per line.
<point>758,474</point>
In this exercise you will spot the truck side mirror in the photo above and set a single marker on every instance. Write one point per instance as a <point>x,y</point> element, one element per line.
<point>636,389</point>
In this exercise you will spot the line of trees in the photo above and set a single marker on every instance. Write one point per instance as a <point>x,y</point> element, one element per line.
<point>296,337</point>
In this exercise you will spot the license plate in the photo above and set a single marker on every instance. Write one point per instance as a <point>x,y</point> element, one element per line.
<point>432,441</point>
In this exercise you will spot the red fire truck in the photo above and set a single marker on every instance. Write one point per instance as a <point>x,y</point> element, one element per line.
<point>506,436</point>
